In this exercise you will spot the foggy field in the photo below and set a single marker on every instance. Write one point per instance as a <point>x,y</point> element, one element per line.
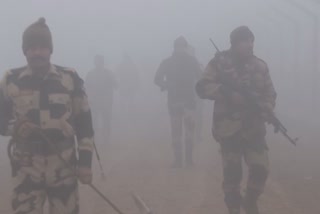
<point>139,156</point>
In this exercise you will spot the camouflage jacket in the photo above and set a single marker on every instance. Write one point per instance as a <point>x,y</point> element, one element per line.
<point>57,103</point>
<point>230,119</point>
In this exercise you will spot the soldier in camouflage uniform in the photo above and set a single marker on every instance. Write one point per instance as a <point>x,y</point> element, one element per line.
<point>240,131</point>
<point>178,75</point>
<point>43,106</point>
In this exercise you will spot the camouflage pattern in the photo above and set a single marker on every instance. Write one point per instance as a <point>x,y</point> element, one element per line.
<point>37,178</point>
<point>57,103</point>
<point>231,119</point>
<point>239,130</point>
<point>178,75</point>
<point>255,155</point>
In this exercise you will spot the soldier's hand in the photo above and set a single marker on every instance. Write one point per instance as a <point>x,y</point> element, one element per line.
<point>85,175</point>
<point>23,128</point>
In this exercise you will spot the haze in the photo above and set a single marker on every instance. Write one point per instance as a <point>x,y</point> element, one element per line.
<point>287,38</point>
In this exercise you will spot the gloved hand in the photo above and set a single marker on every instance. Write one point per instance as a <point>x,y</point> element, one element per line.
<point>84,175</point>
<point>23,128</point>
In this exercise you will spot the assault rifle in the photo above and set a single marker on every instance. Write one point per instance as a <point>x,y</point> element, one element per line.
<point>230,84</point>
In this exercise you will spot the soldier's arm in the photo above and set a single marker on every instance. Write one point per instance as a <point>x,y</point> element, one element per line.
<point>208,87</point>
<point>6,108</point>
<point>270,95</point>
<point>82,123</point>
<point>159,79</point>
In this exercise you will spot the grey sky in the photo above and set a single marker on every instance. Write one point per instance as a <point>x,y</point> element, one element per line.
<point>146,28</point>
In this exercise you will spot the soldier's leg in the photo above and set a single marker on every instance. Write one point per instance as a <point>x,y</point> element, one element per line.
<point>190,131</point>
<point>256,157</point>
<point>176,119</point>
<point>232,153</point>
<point>28,185</point>
<point>62,185</point>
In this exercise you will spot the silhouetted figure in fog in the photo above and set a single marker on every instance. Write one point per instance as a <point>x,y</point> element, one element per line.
<point>100,84</point>
<point>42,106</point>
<point>178,75</point>
<point>129,81</point>
<point>239,130</point>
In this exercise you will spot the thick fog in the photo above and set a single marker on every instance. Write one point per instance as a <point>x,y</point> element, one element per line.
<point>286,37</point>
<point>146,30</point>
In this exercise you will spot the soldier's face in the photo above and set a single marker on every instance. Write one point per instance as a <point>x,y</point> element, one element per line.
<point>245,48</point>
<point>38,57</point>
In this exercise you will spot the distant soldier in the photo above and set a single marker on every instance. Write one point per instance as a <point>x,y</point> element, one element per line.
<point>178,75</point>
<point>129,82</point>
<point>239,130</point>
<point>100,84</point>
<point>43,106</point>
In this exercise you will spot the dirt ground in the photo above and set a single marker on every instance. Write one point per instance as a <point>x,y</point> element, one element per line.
<point>139,158</point>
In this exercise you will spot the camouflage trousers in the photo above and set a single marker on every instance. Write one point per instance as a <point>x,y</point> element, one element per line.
<point>255,155</point>
<point>37,178</point>
<point>182,123</point>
